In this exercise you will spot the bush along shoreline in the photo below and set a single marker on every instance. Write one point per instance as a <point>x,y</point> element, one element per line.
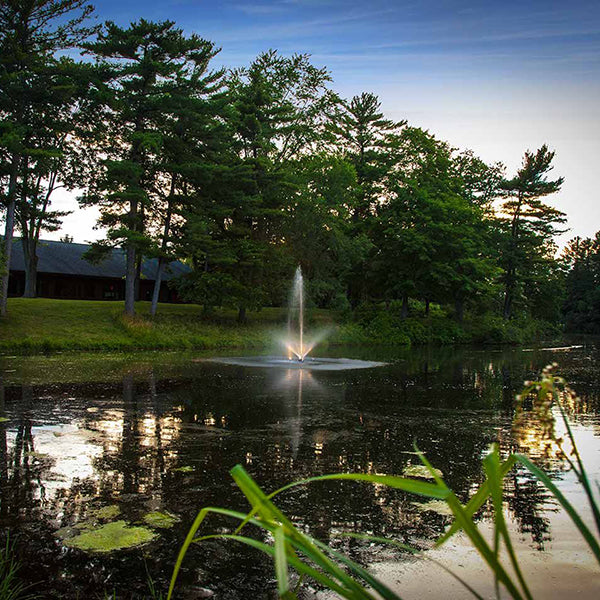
<point>42,325</point>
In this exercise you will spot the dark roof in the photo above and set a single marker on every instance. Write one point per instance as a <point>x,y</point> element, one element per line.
<point>63,258</point>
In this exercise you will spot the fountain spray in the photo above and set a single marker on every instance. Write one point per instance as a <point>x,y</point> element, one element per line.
<point>295,342</point>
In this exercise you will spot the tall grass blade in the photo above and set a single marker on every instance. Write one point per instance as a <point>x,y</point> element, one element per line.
<point>582,474</point>
<point>491,464</point>
<point>281,565</point>
<point>477,500</point>
<point>296,563</point>
<point>270,513</point>
<point>189,539</point>
<point>381,540</point>
<point>413,486</point>
<point>583,529</point>
<point>471,530</point>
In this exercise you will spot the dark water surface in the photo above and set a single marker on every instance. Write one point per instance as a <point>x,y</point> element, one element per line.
<point>161,431</point>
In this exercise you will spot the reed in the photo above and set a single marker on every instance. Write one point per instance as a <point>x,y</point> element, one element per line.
<point>11,588</point>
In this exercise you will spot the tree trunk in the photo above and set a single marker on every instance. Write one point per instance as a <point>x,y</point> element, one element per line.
<point>161,260</point>
<point>31,278</point>
<point>130,280</point>
<point>427,307</point>
<point>8,232</point>
<point>138,275</point>
<point>459,310</point>
<point>404,311</point>
<point>31,263</point>
<point>508,300</point>
<point>156,290</point>
<point>241,314</point>
<point>511,271</point>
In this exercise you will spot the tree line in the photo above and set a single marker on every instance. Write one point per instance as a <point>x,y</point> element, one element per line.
<point>245,173</point>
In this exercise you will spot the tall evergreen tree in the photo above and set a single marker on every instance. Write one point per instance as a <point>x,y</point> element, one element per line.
<point>143,67</point>
<point>32,32</point>
<point>370,142</point>
<point>280,108</point>
<point>51,163</point>
<point>529,224</point>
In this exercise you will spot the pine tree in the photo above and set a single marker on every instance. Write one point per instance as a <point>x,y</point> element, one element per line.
<point>370,142</point>
<point>144,70</point>
<point>31,35</point>
<point>279,110</point>
<point>528,223</point>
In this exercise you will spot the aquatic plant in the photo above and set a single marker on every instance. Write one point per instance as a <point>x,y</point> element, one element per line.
<point>160,520</point>
<point>116,535</point>
<point>311,558</point>
<point>10,586</point>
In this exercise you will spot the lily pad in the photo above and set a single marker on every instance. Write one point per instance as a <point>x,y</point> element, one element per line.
<point>186,469</point>
<point>111,537</point>
<point>437,506</point>
<point>106,513</point>
<point>161,520</point>
<point>420,471</point>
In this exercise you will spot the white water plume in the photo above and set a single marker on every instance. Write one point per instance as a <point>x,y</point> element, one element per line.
<point>297,343</point>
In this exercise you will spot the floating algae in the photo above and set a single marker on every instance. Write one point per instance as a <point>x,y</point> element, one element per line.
<point>420,471</point>
<point>186,469</point>
<point>106,513</point>
<point>37,455</point>
<point>111,537</point>
<point>437,506</point>
<point>160,520</point>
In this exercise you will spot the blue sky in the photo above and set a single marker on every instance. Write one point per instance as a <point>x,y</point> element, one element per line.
<point>497,77</point>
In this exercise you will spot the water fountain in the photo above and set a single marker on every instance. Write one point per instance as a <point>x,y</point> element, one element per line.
<point>294,342</point>
<point>297,345</point>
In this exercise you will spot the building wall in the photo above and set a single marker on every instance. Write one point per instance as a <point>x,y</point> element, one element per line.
<point>85,288</point>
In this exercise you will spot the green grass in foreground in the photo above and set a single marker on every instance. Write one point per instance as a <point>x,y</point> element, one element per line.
<point>42,325</point>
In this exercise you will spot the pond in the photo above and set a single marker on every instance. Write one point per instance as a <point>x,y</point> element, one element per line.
<point>110,442</point>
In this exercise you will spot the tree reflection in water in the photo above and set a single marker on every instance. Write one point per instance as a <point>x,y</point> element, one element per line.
<point>160,440</point>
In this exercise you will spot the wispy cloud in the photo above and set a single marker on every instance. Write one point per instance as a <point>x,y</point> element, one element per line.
<point>298,29</point>
<point>261,9</point>
<point>530,34</point>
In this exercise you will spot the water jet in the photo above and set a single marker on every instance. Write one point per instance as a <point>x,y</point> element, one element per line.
<point>296,344</point>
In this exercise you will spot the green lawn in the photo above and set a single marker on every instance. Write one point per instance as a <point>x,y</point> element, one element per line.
<point>41,325</point>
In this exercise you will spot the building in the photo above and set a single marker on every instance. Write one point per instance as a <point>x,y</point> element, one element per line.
<point>64,273</point>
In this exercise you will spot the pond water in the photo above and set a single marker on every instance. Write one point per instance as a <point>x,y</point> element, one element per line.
<point>95,439</point>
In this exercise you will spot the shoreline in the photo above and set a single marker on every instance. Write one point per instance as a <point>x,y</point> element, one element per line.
<point>41,326</point>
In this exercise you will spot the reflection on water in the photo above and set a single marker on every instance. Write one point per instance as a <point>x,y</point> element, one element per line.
<point>164,438</point>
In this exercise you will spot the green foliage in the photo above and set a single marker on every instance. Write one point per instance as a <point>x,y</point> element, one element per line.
<point>526,229</point>
<point>292,549</point>
<point>38,87</point>
<point>581,307</point>
<point>246,174</point>
<point>151,82</point>
<point>238,220</point>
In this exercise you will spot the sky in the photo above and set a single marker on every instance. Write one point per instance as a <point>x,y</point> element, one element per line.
<point>496,77</point>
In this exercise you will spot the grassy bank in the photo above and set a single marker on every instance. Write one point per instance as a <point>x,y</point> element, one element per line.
<point>46,325</point>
